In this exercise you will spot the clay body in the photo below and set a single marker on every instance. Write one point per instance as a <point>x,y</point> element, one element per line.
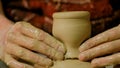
<point>71,64</point>
<point>72,28</point>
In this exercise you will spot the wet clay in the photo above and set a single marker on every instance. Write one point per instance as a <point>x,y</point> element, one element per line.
<point>72,28</point>
<point>71,64</point>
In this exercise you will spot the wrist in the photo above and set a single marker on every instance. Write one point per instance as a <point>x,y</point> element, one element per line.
<point>5,25</point>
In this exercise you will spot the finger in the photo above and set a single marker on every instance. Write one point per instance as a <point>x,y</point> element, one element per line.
<point>39,34</point>
<point>109,35</point>
<point>39,66</point>
<point>12,63</point>
<point>103,49</point>
<point>27,55</point>
<point>105,61</point>
<point>35,45</point>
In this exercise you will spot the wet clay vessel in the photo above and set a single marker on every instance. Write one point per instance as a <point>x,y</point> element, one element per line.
<point>72,28</point>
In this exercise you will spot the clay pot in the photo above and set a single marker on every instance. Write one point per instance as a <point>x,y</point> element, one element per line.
<point>72,28</point>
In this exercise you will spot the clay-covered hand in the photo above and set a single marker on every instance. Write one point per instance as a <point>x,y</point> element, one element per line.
<point>29,47</point>
<point>106,44</point>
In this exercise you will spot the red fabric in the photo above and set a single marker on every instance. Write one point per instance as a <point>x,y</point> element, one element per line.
<point>97,8</point>
<point>36,4</point>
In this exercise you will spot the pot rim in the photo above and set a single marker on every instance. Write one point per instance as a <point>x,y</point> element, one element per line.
<point>71,15</point>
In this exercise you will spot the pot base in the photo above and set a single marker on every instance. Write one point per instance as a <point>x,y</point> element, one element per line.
<point>71,63</point>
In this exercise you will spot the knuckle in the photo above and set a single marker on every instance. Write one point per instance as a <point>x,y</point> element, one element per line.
<point>21,53</point>
<point>35,44</point>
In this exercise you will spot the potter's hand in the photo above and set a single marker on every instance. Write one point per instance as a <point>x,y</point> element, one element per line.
<point>28,43</point>
<point>106,43</point>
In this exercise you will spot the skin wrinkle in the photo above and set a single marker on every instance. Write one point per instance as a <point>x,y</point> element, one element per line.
<point>116,58</point>
<point>100,50</point>
<point>48,62</point>
<point>35,43</point>
<point>16,39</point>
<point>14,62</point>
<point>45,49</point>
<point>59,55</point>
<point>113,36</point>
<point>37,59</point>
<point>104,46</point>
<point>60,48</point>
<point>49,41</point>
<point>36,33</point>
<point>27,29</point>
<point>55,44</point>
<point>40,34</point>
<point>10,37</point>
<point>104,61</point>
<point>91,44</point>
<point>119,57</point>
<point>32,61</point>
<point>106,36</point>
<point>96,63</point>
<point>111,62</point>
<point>20,53</point>
<point>47,38</point>
<point>51,52</point>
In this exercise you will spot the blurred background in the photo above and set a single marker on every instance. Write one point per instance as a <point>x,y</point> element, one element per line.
<point>105,14</point>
